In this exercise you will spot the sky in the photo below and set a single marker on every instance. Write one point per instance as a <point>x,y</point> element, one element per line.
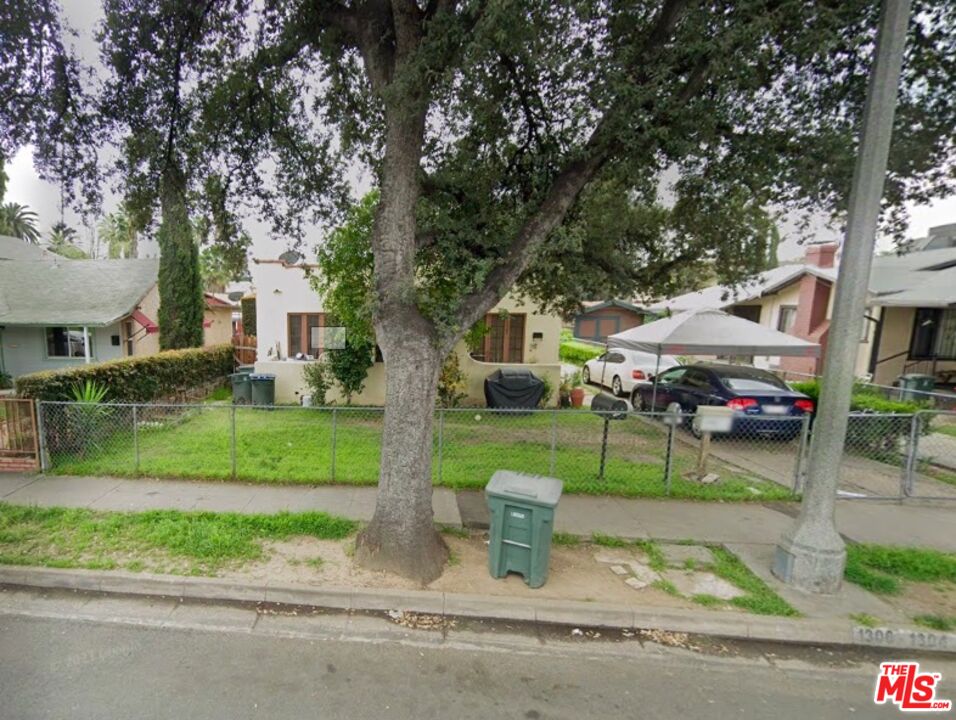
<point>26,188</point>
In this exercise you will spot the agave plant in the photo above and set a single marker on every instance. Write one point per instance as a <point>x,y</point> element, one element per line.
<point>89,392</point>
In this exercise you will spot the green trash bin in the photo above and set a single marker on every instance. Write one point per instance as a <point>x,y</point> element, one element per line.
<point>241,389</point>
<point>522,520</point>
<point>912,384</point>
<point>263,388</point>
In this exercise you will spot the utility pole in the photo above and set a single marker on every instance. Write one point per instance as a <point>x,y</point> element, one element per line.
<point>811,556</point>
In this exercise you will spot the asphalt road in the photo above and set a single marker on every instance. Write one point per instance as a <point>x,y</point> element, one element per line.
<point>74,657</point>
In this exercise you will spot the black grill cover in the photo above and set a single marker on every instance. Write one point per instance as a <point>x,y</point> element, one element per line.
<point>513,388</point>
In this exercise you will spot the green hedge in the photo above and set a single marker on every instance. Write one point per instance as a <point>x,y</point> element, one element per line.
<point>135,379</point>
<point>873,431</point>
<point>248,305</point>
<point>578,353</point>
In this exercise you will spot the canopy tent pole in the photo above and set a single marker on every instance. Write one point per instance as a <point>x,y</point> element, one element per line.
<point>86,345</point>
<point>604,367</point>
<point>657,371</point>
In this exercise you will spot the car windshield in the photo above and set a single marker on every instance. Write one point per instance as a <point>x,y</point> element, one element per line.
<point>753,383</point>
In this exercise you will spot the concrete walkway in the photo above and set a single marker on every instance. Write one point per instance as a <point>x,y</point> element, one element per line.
<point>911,523</point>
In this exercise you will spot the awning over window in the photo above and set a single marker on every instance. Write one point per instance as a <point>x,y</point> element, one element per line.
<point>147,324</point>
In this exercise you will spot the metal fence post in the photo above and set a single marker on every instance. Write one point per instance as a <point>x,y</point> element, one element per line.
<point>801,454</point>
<point>41,435</point>
<point>441,442</point>
<point>912,457</point>
<point>232,447</point>
<point>135,442</point>
<point>334,416</point>
<point>669,460</point>
<point>554,441</point>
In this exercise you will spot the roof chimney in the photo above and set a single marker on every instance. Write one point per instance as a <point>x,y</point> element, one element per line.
<point>822,255</point>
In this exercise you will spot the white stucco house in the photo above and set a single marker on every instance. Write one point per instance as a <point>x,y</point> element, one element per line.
<point>290,318</point>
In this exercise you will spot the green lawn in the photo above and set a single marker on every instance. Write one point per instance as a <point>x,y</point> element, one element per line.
<point>164,541</point>
<point>294,445</point>
<point>946,429</point>
<point>884,568</point>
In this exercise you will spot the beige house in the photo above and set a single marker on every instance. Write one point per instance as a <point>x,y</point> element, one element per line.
<point>290,321</point>
<point>910,323</point>
<point>56,312</point>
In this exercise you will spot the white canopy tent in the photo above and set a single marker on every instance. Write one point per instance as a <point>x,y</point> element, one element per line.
<point>709,332</point>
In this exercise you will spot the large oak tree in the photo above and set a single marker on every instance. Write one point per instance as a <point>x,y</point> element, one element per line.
<point>516,145</point>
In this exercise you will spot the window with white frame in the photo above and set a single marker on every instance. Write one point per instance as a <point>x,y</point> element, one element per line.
<point>66,342</point>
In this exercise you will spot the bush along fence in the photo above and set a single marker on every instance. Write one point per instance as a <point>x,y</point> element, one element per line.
<point>170,375</point>
<point>637,455</point>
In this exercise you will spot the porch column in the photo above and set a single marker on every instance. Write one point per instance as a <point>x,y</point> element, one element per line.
<point>86,345</point>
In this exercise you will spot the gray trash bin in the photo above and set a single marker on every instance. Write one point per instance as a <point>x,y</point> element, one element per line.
<point>522,521</point>
<point>241,388</point>
<point>913,384</point>
<point>263,388</point>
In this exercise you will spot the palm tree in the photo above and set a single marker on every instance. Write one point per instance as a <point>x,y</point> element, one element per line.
<point>119,234</point>
<point>19,221</point>
<point>62,242</point>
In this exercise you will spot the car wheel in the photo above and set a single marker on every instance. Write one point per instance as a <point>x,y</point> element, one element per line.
<point>586,374</point>
<point>616,386</point>
<point>695,427</point>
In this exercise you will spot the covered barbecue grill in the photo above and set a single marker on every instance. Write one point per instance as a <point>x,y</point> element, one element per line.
<point>513,388</point>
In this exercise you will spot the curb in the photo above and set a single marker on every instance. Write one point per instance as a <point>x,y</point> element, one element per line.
<point>803,631</point>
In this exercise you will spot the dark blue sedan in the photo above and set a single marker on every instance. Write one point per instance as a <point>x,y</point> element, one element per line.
<point>764,405</point>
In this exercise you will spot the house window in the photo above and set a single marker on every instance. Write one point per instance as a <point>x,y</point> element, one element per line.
<point>747,312</point>
<point>66,342</point>
<point>786,317</point>
<point>305,333</point>
<point>504,342</point>
<point>934,334</point>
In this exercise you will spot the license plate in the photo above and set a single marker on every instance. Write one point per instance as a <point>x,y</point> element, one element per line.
<point>775,409</point>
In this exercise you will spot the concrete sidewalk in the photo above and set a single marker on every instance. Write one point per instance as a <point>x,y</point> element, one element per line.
<point>911,523</point>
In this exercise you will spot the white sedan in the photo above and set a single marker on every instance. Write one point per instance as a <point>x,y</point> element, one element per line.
<point>621,370</point>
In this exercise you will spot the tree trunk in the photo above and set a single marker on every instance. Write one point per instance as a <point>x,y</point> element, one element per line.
<point>401,537</point>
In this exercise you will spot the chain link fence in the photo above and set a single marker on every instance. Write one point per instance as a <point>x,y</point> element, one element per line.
<point>631,455</point>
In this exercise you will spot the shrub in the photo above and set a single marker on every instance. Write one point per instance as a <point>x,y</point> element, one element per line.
<point>451,382</point>
<point>318,379</point>
<point>578,353</point>
<point>248,305</point>
<point>134,379</point>
<point>871,430</point>
<point>350,365</point>
<point>548,391</point>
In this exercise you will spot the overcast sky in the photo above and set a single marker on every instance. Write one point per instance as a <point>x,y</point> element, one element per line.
<point>83,15</point>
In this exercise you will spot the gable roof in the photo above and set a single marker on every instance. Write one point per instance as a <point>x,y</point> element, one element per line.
<point>765,283</point>
<point>73,292</point>
<point>12,248</point>
<point>925,278</point>
<point>590,306</point>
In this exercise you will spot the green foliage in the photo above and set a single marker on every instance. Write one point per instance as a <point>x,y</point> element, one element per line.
<point>548,390</point>
<point>198,543</point>
<point>863,399</point>
<point>882,568</point>
<point>89,391</point>
<point>181,302</point>
<point>760,598</point>
<point>578,353</point>
<point>451,382</point>
<point>6,380</point>
<point>63,242</point>
<point>135,379</point>
<point>865,619</point>
<point>220,265</point>
<point>318,379</point>
<point>20,222</point>
<point>248,305</point>
<point>475,336</point>
<point>349,366</point>
<point>118,231</point>
<point>344,280</point>
<point>937,622</point>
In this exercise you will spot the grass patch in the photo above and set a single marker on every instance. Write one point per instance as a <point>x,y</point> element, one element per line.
<point>947,429</point>
<point>294,445</point>
<point>760,599</point>
<point>666,586</point>
<point>181,543</point>
<point>220,394</point>
<point>865,620</point>
<point>458,532</point>
<point>565,539</point>
<point>707,600</point>
<point>936,622</point>
<point>882,568</point>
